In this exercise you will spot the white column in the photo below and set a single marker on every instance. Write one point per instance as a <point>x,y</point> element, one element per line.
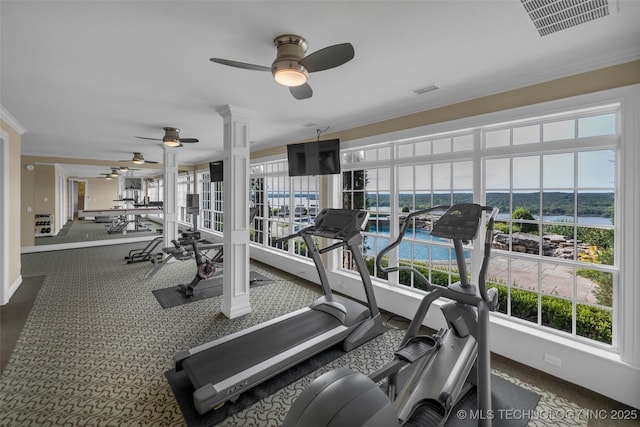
<point>170,195</point>
<point>235,280</point>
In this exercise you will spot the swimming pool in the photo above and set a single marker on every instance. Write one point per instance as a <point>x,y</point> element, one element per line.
<point>417,248</point>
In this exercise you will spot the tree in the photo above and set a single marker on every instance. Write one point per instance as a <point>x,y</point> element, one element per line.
<point>524,214</point>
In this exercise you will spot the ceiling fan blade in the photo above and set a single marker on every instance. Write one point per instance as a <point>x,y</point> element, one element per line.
<point>150,161</point>
<point>329,57</point>
<point>151,139</point>
<point>301,92</point>
<point>189,140</point>
<point>240,64</point>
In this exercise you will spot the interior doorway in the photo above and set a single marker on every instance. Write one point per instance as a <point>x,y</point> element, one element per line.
<point>77,197</point>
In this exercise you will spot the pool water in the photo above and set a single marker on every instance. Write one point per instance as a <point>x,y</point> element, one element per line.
<point>417,249</point>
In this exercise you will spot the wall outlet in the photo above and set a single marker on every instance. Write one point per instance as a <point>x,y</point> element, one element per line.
<point>552,360</point>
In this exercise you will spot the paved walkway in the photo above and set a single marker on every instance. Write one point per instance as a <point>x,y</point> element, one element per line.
<point>557,280</point>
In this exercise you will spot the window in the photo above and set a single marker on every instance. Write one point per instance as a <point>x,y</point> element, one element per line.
<point>211,203</point>
<point>185,186</point>
<point>291,203</point>
<point>555,265</point>
<point>554,180</point>
<point>205,201</point>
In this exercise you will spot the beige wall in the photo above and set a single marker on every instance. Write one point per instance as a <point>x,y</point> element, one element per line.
<point>592,81</point>
<point>14,204</point>
<point>100,193</point>
<point>27,197</point>
<point>44,190</point>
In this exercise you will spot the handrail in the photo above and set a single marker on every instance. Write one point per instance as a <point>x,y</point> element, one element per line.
<point>446,292</point>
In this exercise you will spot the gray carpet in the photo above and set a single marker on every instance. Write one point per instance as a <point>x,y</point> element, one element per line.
<point>14,315</point>
<point>96,345</point>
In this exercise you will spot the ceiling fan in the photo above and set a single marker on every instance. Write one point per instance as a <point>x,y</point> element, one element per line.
<point>291,67</point>
<point>138,159</point>
<point>124,168</point>
<point>109,175</point>
<point>115,172</point>
<point>172,138</point>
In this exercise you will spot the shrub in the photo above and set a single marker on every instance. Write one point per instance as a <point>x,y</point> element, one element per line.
<point>524,214</point>
<point>594,323</point>
<point>591,322</point>
<point>438,277</point>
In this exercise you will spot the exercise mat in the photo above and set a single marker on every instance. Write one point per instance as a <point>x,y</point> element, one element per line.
<point>173,296</point>
<point>511,405</point>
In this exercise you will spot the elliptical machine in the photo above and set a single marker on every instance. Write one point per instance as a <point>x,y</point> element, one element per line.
<point>429,375</point>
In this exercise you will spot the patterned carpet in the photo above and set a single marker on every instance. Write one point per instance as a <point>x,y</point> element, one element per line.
<point>88,231</point>
<point>96,344</point>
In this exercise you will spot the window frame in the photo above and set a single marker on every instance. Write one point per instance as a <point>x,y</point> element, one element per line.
<point>626,199</point>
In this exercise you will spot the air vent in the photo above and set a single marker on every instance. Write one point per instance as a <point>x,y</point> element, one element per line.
<point>550,16</point>
<point>425,89</point>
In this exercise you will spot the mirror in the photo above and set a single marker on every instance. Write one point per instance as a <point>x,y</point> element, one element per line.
<point>80,204</point>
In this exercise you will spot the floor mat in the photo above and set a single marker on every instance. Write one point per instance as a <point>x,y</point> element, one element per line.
<point>173,296</point>
<point>511,406</point>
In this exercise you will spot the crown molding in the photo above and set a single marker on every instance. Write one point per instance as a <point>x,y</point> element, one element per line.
<point>4,115</point>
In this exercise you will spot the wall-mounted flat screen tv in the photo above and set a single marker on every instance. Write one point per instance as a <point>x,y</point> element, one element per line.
<point>216,172</point>
<point>193,203</point>
<point>131,183</point>
<point>314,158</point>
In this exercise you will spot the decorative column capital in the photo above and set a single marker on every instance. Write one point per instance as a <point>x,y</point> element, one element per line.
<point>233,110</point>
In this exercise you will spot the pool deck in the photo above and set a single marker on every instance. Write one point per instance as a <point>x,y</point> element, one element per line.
<point>556,280</point>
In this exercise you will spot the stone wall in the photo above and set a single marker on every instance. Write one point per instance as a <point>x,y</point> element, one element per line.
<point>553,245</point>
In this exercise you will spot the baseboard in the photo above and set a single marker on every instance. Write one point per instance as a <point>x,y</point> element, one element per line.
<point>12,290</point>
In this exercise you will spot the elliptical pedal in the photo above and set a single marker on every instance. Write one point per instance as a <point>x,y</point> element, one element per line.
<point>429,413</point>
<point>420,346</point>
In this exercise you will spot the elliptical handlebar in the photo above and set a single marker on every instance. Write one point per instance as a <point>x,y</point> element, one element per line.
<point>446,292</point>
<point>398,240</point>
<point>488,240</point>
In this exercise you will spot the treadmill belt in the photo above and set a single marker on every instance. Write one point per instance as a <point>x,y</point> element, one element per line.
<point>231,357</point>
<point>183,390</point>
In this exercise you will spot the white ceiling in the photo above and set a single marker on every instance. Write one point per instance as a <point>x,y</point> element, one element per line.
<point>84,78</point>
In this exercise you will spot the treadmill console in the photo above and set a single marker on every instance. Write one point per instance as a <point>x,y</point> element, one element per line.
<point>339,223</point>
<point>459,222</point>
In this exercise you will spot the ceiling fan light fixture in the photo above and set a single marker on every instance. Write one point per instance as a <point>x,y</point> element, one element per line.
<point>108,178</point>
<point>113,174</point>
<point>138,159</point>
<point>289,74</point>
<point>286,69</point>
<point>171,137</point>
<point>171,142</point>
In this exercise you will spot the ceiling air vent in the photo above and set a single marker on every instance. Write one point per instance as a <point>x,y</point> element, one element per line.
<point>425,89</point>
<point>550,16</point>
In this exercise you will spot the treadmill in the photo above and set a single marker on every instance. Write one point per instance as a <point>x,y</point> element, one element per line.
<point>222,369</point>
